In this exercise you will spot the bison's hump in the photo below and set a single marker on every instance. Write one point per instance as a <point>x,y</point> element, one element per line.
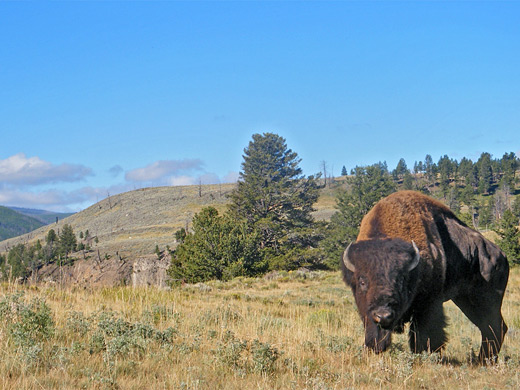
<point>408,215</point>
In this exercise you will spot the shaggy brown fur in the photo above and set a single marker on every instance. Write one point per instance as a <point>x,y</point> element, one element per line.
<point>456,263</point>
<point>407,215</point>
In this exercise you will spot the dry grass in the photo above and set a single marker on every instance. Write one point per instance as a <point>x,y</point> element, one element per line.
<point>288,331</point>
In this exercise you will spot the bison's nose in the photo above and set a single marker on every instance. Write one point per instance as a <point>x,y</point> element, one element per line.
<point>383,317</point>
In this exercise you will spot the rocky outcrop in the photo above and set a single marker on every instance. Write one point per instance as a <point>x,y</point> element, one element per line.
<point>106,272</point>
<point>150,271</point>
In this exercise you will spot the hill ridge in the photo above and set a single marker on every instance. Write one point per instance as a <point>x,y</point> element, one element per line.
<point>13,223</point>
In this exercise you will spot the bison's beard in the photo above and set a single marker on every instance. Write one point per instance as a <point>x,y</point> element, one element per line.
<point>377,338</point>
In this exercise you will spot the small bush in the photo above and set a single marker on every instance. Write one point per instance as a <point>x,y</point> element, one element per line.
<point>28,323</point>
<point>264,356</point>
<point>229,350</point>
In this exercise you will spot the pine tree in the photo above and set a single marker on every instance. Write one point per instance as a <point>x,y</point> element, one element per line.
<point>515,208</point>
<point>67,240</point>
<point>367,186</point>
<point>418,167</point>
<point>344,171</point>
<point>430,169</point>
<point>18,259</point>
<point>51,236</point>
<point>400,170</point>
<point>273,197</point>
<point>508,166</point>
<point>408,181</point>
<point>485,173</point>
<point>509,234</point>
<point>218,248</point>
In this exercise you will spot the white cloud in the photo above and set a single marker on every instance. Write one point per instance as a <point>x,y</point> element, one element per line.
<point>20,170</point>
<point>59,200</point>
<point>209,178</point>
<point>164,170</point>
<point>231,177</point>
<point>47,200</point>
<point>181,181</point>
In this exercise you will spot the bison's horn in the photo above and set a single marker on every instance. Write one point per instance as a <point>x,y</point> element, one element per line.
<point>416,259</point>
<point>347,262</point>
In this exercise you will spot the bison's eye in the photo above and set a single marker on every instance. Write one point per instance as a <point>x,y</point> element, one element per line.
<point>363,285</point>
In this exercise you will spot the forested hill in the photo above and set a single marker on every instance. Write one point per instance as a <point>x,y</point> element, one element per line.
<point>13,223</point>
<point>44,216</point>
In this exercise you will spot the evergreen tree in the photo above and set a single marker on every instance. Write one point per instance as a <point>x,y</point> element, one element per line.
<point>429,169</point>
<point>367,186</point>
<point>509,234</point>
<point>180,235</point>
<point>453,199</point>
<point>485,173</point>
<point>418,167</point>
<point>484,209</point>
<point>508,166</point>
<point>67,240</point>
<point>408,181</point>
<point>49,251</point>
<point>515,208</point>
<point>3,270</point>
<point>466,171</point>
<point>51,237</point>
<point>344,171</point>
<point>272,196</point>
<point>18,259</point>
<point>445,167</point>
<point>400,170</point>
<point>218,248</point>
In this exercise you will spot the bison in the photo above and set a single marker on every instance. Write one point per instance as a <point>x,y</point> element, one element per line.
<point>411,255</point>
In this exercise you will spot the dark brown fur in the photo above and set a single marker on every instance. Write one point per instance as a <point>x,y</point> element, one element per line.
<point>456,263</point>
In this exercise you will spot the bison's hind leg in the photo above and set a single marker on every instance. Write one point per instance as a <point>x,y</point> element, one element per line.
<point>427,329</point>
<point>487,316</point>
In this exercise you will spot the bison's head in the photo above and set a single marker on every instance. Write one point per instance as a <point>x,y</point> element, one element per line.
<point>383,276</point>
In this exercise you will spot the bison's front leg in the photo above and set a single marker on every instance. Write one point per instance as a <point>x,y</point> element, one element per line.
<point>376,338</point>
<point>427,329</point>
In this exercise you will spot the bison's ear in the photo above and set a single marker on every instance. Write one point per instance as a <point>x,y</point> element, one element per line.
<point>417,257</point>
<point>351,267</point>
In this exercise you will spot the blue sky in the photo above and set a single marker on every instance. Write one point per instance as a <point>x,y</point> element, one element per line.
<point>105,97</point>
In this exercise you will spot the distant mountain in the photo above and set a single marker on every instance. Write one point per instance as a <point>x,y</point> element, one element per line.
<point>13,223</point>
<point>45,217</point>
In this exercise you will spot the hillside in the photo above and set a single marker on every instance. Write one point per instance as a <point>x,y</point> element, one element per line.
<point>13,223</point>
<point>133,223</point>
<point>128,228</point>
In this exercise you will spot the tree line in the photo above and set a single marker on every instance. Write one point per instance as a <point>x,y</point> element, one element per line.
<point>23,260</point>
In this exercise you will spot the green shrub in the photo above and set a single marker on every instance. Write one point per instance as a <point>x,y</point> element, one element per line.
<point>229,350</point>
<point>264,356</point>
<point>28,324</point>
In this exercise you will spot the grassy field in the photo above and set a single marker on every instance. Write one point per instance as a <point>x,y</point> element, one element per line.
<point>297,330</point>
